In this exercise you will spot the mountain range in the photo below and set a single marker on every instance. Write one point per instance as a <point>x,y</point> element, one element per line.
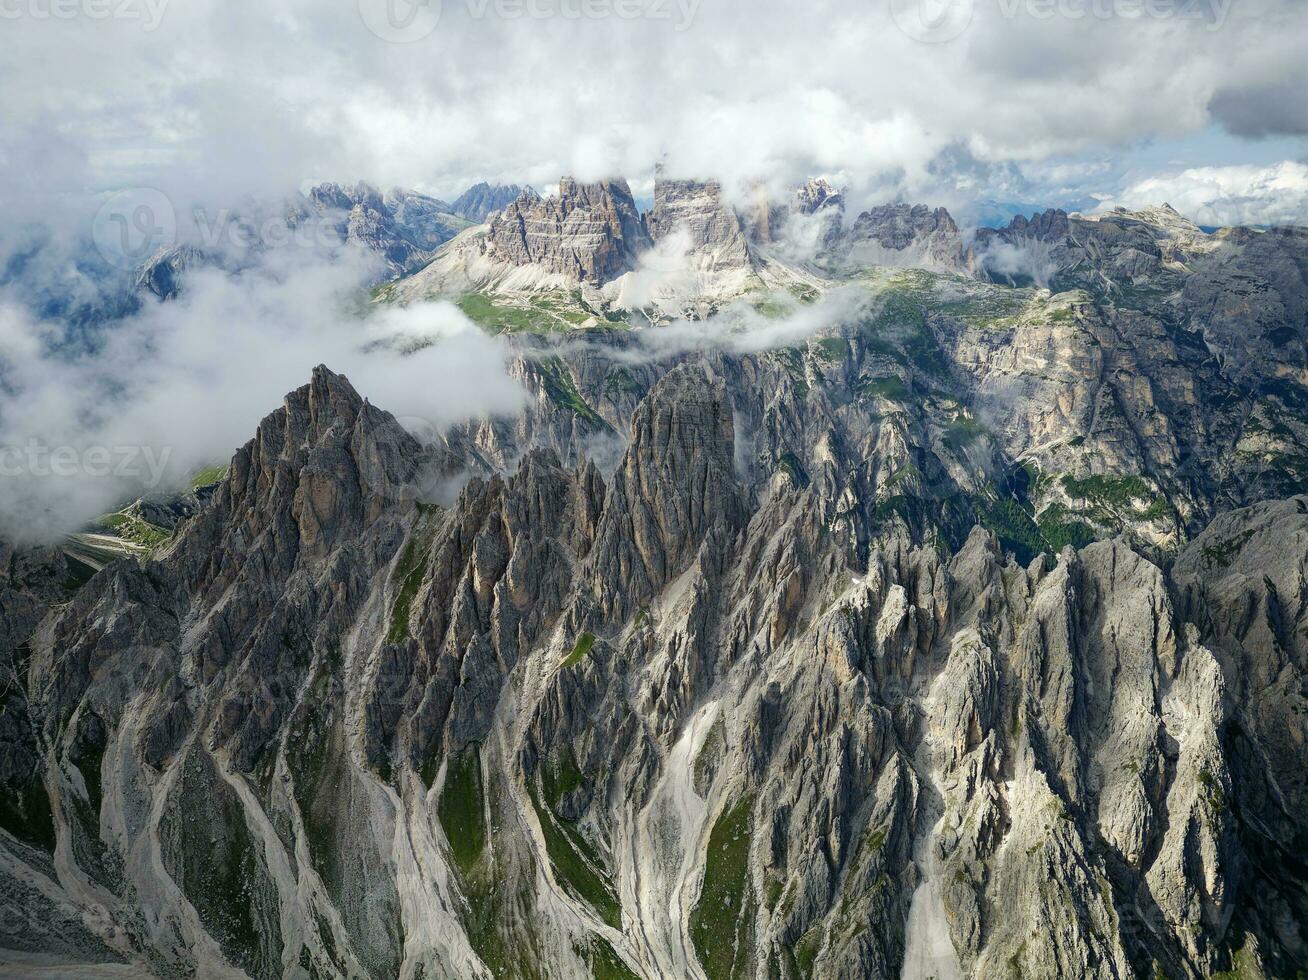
<point>852,598</point>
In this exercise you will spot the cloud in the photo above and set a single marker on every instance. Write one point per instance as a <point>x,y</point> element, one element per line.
<point>182,384</point>
<point>665,274</point>
<point>742,329</point>
<point>218,102</point>
<point>1219,196</point>
<point>1030,259</point>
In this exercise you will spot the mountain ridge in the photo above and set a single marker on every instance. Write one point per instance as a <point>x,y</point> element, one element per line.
<point>322,619</point>
<point>941,620</point>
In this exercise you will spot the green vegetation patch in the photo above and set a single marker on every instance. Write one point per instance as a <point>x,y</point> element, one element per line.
<point>719,923</point>
<point>804,953</point>
<point>831,349</point>
<point>1120,491</point>
<point>605,963</point>
<point>890,387</point>
<point>1220,554</point>
<point>772,307</point>
<point>577,865</point>
<point>134,529</point>
<point>1013,525</point>
<point>901,301</point>
<point>620,381</point>
<point>562,391</point>
<point>1130,496</point>
<point>409,574</point>
<point>579,650</point>
<point>792,362</point>
<point>1244,964</point>
<point>794,468</point>
<point>461,808</point>
<point>492,901</point>
<point>208,476</point>
<point>495,319</point>
<point>89,765</point>
<point>962,431</point>
<point>551,312</point>
<point>209,851</point>
<point>25,813</point>
<point>1060,530</point>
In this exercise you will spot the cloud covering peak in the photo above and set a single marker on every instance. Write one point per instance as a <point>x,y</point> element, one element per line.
<point>203,99</point>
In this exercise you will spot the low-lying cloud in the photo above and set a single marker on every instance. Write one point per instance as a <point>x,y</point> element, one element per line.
<point>181,384</point>
<point>725,89</point>
<point>1223,196</point>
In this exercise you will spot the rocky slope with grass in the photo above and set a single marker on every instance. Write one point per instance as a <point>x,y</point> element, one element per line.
<point>921,623</point>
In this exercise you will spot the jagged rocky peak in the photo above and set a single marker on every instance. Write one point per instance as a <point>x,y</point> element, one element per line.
<point>809,220</point>
<point>1147,229</point>
<point>907,235</point>
<point>481,200</point>
<point>816,194</point>
<point>161,275</point>
<point>898,226</point>
<point>327,459</point>
<point>675,484</point>
<point>694,208</point>
<point>590,232</point>
<point>1051,224</point>
<point>333,732</point>
<point>403,226</point>
<point>424,220</point>
<point>331,196</point>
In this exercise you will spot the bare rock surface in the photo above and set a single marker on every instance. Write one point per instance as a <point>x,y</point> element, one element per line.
<point>962,636</point>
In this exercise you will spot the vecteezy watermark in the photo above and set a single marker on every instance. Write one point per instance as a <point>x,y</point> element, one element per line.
<point>132,225</point>
<point>144,465</point>
<point>937,21</point>
<point>932,21</point>
<point>148,12</point>
<point>1212,13</point>
<point>407,21</point>
<point>401,21</point>
<point>225,230</point>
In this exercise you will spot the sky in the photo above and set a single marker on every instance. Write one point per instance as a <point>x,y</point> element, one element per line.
<point>948,101</point>
<point>987,107</point>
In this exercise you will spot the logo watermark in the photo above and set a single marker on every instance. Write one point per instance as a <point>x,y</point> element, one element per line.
<point>938,21</point>
<point>135,224</point>
<point>225,230</point>
<point>401,21</point>
<point>149,13</point>
<point>145,465</point>
<point>132,225</point>
<point>932,21</point>
<point>408,21</point>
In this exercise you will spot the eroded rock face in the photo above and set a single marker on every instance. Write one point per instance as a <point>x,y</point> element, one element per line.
<point>718,713</point>
<point>905,235</point>
<point>481,200</point>
<point>589,232</point>
<point>716,664</point>
<point>402,226</point>
<point>713,233</point>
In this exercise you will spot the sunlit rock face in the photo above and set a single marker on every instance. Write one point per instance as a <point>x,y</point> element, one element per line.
<point>960,632</point>
<point>589,232</point>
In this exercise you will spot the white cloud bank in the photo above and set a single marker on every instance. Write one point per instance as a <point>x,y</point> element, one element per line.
<point>183,383</point>
<point>1217,196</point>
<point>221,100</point>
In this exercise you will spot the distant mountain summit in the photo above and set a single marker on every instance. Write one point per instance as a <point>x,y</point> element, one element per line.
<point>845,599</point>
<point>402,226</point>
<point>589,232</point>
<point>479,201</point>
